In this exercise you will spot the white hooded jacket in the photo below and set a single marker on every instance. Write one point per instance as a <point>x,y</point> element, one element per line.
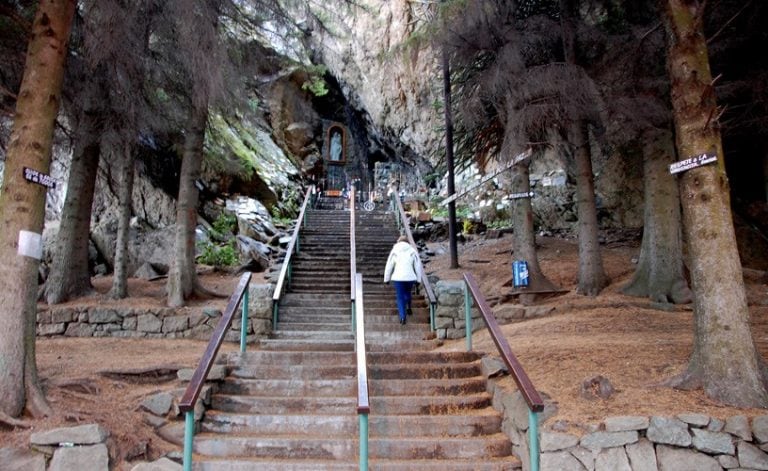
<point>403,264</point>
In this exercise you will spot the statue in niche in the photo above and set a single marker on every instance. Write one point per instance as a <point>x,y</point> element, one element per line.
<point>336,145</point>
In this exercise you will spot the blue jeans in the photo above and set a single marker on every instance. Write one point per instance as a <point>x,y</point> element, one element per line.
<point>403,293</point>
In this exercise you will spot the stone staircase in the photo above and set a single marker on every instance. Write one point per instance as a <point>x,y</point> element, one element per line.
<point>291,403</point>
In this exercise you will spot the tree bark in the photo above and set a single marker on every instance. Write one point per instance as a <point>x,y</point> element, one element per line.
<point>22,203</point>
<point>120,277</point>
<point>724,361</point>
<point>660,275</point>
<point>182,278</point>
<point>592,276</point>
<point>524,242</point>
<point>70,276</point>
<point>452,223</point>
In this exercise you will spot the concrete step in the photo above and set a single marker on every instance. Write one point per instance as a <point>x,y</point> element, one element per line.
<point>344,334</point>
<point>212,463</point>
<point>398,333</point>
<point>341,316</point>
<point>298,372</point>
<point>344,325</point>
<point>308,345</point>
<point>303,300</point>
<point>257,357</point>
<point>473,423</point>
<point>315,464</point>
<point>293,387</point>
<point>423,371</point>
<point>333,406</point>
<point>383,405</point>
<point>338,448</point>
<point>427,387</point>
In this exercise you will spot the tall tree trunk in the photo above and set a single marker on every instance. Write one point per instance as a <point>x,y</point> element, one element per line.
<point>592,277</point>
<point>659,275</point>
<point>182,278</point>
<point>524,242</point>
<point>452,223</point>
<point>22,205</point>
<point>724,361</point>
<point>70,276</point>
<point>120,277</point>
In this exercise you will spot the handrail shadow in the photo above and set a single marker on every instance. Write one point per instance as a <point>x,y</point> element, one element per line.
<point>524,384</point>
<point>403,223</point>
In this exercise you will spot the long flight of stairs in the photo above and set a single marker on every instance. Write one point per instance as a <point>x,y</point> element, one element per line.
<point>291,403</point>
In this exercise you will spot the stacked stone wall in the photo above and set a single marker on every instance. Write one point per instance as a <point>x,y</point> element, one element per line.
<point>687,441</point>
<point>155,322</point>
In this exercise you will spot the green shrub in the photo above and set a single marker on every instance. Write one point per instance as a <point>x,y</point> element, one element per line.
<point>218,255</point>
<point>223,227</point>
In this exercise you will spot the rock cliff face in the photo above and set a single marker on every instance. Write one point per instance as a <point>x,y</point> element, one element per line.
<point>364,48</point>
<point>370,51</point>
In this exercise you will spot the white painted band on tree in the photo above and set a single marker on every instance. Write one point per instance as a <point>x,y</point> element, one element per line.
<point>30,245</point>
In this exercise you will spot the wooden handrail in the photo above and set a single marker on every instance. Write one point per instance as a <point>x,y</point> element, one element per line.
<point>529,392</point>
<point>363,404</point>
<point>187,402</point>
<point>424,280</point>
<point>352,248</point>
<point>289,251</point>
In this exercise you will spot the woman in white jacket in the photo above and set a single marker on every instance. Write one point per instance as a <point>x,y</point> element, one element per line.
<point>404,270</point>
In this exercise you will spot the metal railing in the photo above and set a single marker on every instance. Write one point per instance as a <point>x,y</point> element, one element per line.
<point>363,404</point>
<point>403,224</point>
<point>188,400</point>
<point>529,392</point>
<point>352,255</point>
<point>285,271</point>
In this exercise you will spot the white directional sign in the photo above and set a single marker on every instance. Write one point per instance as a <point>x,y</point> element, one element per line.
<point>34,176</point>
<point>692,162</point>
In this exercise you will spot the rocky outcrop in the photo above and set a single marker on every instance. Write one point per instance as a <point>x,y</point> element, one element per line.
<point>397,86</point>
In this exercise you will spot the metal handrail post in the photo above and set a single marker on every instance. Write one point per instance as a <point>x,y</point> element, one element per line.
<point>290,272</point>
<point>354,322</point>
<point>244,322</point>
<point>189,435</point>
<point>275,308</point>
<point>432,316</point>
<point>363,442</point>
<point>468,316</point>
<point>533,439</point>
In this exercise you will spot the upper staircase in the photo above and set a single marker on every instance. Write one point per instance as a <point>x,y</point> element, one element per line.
<point>291,404</point>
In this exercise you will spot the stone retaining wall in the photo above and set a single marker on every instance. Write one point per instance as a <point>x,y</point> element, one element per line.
<point>161,322</point>
<point>637,443</point>
<point>450,319</point>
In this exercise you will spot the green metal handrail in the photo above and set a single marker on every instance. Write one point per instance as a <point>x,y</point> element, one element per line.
<point>403,224</point>
<point>188,400</point>
<point>529,392</point>
<point>285,270</point>
<point>363,404</point>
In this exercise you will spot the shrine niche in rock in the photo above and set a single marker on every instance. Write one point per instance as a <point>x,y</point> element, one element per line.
<point>341,169</point>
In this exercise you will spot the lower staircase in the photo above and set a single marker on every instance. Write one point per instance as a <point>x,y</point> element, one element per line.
<point>291,404</point>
